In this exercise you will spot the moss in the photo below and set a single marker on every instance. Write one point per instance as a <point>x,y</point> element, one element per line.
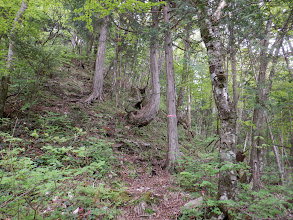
<point>123,197</point>
<point>149,198</point>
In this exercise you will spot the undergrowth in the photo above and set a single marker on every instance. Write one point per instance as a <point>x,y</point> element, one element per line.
<point>54,170</point>
<point>200,178</point>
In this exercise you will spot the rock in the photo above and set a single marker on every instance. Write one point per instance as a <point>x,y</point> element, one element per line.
<point>194,203</point>
<point>140,208</point>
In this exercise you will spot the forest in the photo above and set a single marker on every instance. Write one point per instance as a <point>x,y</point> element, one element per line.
<point>146,109</point>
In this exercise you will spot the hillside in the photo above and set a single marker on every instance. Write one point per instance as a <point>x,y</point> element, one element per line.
<point>83,159</point>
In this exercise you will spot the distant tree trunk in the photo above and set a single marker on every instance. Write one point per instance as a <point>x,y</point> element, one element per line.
<point>97,92</point>
<point>3,93</point>
<point>115,83</point>
<point>6,78</point>
<point>234,76</point>
<point>257,153</point>
<point>90,44</point>
<point>150,110</point>
<point>173,147</point>
<point>287,62</point>
<point>189,113</point>
<point>209,27</point>
<point>276,152</point>
<point>291,150</point>
<point>291,140</point>
<point>185,69</point>
<point>262,95</point>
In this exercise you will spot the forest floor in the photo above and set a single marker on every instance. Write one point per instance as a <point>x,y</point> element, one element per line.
<point>146,191</point>
<point>162,197</point>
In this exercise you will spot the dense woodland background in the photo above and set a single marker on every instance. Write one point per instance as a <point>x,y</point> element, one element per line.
<point>130,109</point>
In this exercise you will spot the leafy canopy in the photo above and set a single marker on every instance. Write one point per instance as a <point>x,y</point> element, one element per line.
<point>106,7</point>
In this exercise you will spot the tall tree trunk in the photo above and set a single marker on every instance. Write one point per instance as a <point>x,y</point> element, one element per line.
<point>150,110</point>
<point>6,77</point>
<point>173,147</point>
<point>209,27</point>
<point>97,92</point>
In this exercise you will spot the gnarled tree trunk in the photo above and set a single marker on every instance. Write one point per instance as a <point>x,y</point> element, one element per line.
<point>150,110</point>
<point>97,92</point>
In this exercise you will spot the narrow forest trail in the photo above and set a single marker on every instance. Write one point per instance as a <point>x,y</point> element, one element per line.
<point>155,191</point>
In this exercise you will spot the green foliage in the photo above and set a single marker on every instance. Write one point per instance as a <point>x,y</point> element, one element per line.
<point>199,176</point>
<point>50,166</point>
<point>267,203</point>
<point>32,183</point>
<point>106,7</point>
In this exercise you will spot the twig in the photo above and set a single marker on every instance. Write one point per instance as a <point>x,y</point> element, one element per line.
<point>13,133</point>
<point>17,93</point>
<point>7,202</point>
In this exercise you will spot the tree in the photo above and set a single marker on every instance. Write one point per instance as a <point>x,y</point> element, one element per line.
<point>97,92</point>
<point>185,66</point>
<point>6,76</point>
<point>263,89</point>
<point>173,147</point>
<point>150,110</point>
<point>104,9</point>
<point>209,28</point>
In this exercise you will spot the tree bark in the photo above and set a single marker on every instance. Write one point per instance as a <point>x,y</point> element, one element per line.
<point>209,28</point>
<point>150,110</point>
<point>6,77</point>
<point>234,76</point>
<point>115,83</point>
<point>173,147</point>
<point>291,140</point>
<point>276,152</point>
<point>97,92</point>
<point>90,45</point>
<point>185,69</point>
<point>189,113</point>
<point>287,62</point>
